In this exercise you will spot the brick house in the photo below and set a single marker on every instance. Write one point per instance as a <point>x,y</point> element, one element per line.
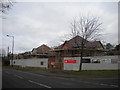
<point>41,51</point>
<point>70,49</point>
<point>24,55</point>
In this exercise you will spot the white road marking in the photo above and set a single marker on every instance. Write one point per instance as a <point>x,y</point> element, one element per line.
<point>103,84</point>
<point>109,85</point>
<point>19,76</point>
<point>114,85</point>
<point>39,84</point>
<point>64,78</point>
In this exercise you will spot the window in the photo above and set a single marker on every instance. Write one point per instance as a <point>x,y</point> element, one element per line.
<point>41,63</point>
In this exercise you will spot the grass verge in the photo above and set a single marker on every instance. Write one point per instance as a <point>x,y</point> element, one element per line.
<point>84,72</point>
<point>94,72</point>
<point>24,68</point>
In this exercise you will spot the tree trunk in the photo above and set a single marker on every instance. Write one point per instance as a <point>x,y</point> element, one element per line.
<point>81,56</point>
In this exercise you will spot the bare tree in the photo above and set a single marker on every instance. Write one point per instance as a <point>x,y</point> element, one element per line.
<point>88,28</point>
<point>5,5</point>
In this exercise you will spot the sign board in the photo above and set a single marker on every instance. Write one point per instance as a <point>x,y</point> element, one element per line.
<point>106,60</point>
<point>95,60</point>
<point>52,63</point>
<point>69,61</point>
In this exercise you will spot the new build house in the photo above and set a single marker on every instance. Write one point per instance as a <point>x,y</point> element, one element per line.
<point>70,49</point>
<point>67,56</point>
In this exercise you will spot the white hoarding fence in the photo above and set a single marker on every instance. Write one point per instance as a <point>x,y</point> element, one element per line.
<point>91,63</point>
<point>71,63</point>
<point>31,62</point>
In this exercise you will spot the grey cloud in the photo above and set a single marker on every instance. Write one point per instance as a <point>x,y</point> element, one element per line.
<point>34,24</point>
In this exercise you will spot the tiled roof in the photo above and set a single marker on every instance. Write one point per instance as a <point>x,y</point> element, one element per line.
<point>42,49</point>
<point>76,41</point>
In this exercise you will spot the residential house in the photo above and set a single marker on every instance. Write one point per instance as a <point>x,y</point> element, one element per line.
<point>41,51</point>
<point>72,48</point>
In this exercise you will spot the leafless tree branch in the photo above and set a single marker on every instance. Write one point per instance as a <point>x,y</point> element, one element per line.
<point>86,27</point>
<point>5,5</point>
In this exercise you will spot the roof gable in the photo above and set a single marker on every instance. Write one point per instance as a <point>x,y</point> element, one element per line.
<point>94,44</point>
<point>42,49</point>
<point>76,41</point>
<point>72,43</point>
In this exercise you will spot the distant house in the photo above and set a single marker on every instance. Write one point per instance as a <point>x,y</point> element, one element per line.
<point>24,55</point>
<point>115,51</point>
<point>117,48</point>
<point>40,51</point>
<point>19,56</point>
<point>109,46</point>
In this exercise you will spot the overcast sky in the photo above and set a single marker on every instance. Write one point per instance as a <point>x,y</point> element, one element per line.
<point>36,23</point>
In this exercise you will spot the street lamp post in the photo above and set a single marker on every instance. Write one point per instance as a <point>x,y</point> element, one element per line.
<point>12,47</point>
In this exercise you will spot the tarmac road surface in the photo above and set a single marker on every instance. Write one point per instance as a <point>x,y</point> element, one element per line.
<point>12,78</point>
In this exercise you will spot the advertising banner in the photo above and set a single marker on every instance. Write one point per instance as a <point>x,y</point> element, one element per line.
<point>69,61</point>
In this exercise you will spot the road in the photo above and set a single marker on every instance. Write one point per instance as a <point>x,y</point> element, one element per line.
<point>21,79</point>
<point>0,78</point>
<point>0,73</point>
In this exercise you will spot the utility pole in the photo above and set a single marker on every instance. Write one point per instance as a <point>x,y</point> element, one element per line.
<point>12,47</point>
